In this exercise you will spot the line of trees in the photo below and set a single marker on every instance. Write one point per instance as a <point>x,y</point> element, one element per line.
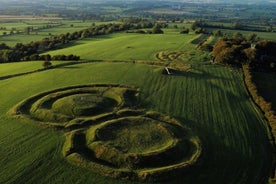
<point>234,26</point>
<point>47,57</point>
<point>266,108</point>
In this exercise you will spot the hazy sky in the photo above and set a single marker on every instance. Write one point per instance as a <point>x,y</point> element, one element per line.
<point>226,1</point>
<point>196,1</point>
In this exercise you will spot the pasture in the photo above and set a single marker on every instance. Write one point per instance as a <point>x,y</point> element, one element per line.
<point>261,35</point>
<point>41,29</point>
<point>205,113</point>
<point>121,46</point>
<point>23,67</point>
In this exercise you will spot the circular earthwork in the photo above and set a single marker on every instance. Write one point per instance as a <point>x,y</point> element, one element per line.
<point>107,133</point>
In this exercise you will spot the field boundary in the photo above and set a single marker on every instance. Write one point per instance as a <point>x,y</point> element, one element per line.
<point>15,17</point>
<point>182,67</point>
<point>265,107</point>
<point>44,69</point>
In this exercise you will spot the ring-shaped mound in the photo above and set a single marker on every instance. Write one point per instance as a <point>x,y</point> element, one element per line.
<point>145,148</point>
<point>132,135</point>
<point>109,135</point>
<point>83,104</point>
<point>171,55</point>
<point>58,107</point>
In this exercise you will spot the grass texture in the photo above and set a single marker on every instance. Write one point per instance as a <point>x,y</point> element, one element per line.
<point>210,101</point>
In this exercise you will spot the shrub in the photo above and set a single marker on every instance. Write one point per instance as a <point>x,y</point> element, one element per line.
<point>47,64</point>
<point>264,106</point>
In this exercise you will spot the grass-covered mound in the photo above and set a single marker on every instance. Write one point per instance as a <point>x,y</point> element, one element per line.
<point>107,133</point>
<point>210,99</point>
<point>172,55</point>
<point>149,147</point>
<point>62,106</point>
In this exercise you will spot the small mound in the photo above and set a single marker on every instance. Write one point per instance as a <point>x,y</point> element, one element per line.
<point>172,55</point>
<point>59,107</point>
<point>134,135</point>
<point>83,105</point>
<point>108,134</point>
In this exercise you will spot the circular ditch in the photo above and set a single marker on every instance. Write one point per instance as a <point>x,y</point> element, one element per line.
<point>60,106</point>
<point>136,148</point>
<point>107,133</point>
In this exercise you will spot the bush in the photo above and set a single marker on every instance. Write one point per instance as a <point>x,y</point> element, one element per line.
<point>184,31</point>
<point>47,64</point>
<point>264,106</point>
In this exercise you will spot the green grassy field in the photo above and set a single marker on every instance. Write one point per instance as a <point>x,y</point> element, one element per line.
<point>60,27</point>
<point>262,35</point>
<point>23,67</point>
<point>209,99</point>
<point>123,46</point>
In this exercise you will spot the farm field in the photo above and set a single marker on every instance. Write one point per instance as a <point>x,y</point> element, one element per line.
<point>41,30</point>
<point>211,100</point>
<point>23,67</point>
<point>262,35</point>
<point>121,46</point>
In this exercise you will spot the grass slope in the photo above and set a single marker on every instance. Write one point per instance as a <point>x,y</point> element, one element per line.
<point>40,32</point>
<point>22,67</point>
<point>123,46</point>
<point>210,99</point>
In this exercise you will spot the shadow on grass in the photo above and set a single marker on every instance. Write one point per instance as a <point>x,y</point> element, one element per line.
<point>194,73</point>
<point>69,67</point>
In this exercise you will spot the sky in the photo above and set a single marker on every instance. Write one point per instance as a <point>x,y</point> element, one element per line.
<point>207,1</point>
<point>195,1</point>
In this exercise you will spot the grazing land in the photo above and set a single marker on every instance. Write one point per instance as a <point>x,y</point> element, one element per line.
<point>146,100</point>
<point>15,31</point>
<point>123,46</point>
<point>210,99</point>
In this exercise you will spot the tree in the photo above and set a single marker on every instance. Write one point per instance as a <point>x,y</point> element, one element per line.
<point>250,54</point>
<point>269,29</point>
<point>84,34</point>
<point>51,45</point>
<point>184,31</point>
<point>230,51</point>
<point>47,64</point>
<point>157,29</point>
<point>252,38</point>
<point>28,30</point>
<point>47,57</point>
<point>237,25</point>
<point>9,56</point>
<point>47,61</point>
<point>201,31</point>
<point>34,57</point>
<point>217,32</point>
<point>197,24</point>
<point>237,36</point>
<point>4,46</point>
